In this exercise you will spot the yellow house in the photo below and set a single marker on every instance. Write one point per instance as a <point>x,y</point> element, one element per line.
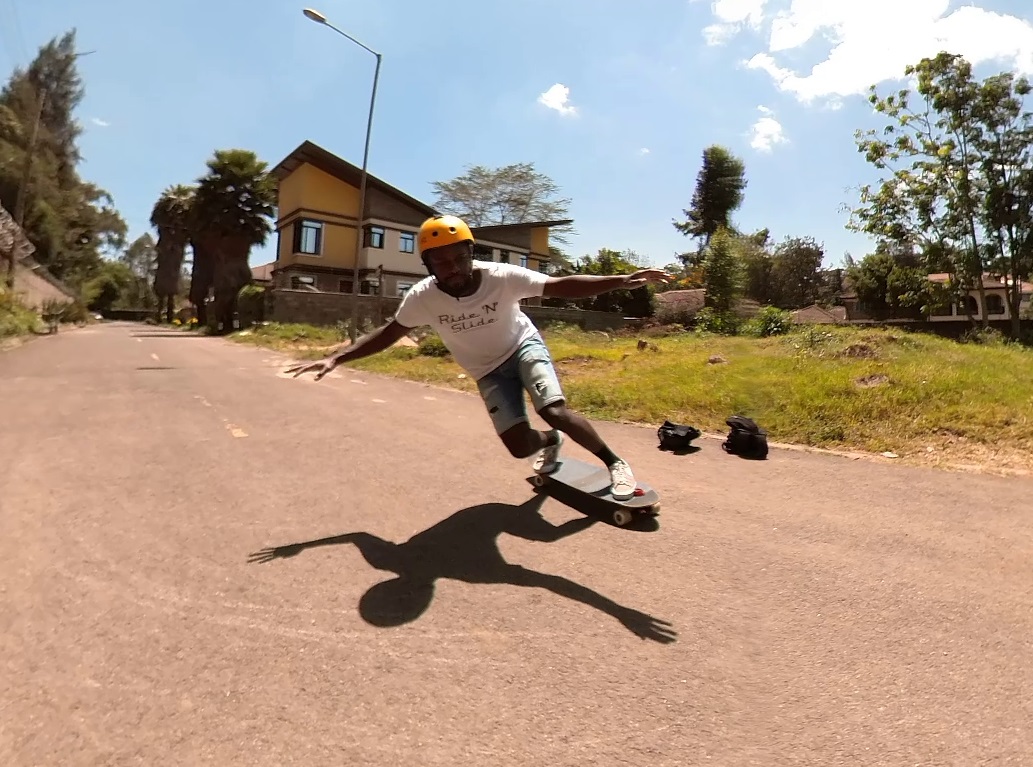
<point>318,203</point>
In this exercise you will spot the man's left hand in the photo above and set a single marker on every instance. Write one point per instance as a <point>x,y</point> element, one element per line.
<point>642,276</point>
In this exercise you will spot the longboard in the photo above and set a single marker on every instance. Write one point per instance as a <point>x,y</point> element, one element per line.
<point>593,481</point>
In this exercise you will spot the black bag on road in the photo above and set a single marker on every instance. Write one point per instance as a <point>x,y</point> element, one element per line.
<point>746,439</point>
<point>674,436</point>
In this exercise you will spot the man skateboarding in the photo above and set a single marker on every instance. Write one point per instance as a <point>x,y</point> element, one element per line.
<point>474,306</point>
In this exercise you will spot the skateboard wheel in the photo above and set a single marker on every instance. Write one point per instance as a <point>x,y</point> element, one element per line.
<point>622,517</point>
<point>538,480</point>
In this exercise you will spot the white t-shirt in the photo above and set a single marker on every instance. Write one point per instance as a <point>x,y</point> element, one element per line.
<point>483,329</point>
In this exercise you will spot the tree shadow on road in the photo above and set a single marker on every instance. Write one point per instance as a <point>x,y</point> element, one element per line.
<point>464,547</point>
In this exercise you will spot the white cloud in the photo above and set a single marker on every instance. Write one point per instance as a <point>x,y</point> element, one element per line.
<point>557,97</point>
<point>100,123</point>
<point>873,41</point>
<point>732,16</point>
<point>643,151</point>
<point>767,132</point>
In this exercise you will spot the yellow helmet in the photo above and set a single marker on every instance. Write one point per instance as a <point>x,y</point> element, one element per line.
<point>439,231</point>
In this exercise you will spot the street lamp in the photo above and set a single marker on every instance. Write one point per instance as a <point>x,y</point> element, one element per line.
<point>319,18</point>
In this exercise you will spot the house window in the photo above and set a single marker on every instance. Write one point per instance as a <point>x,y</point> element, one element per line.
<point>308,237</point>
<point>299,281</point>
<point>482,252</point>
<point>994,304</point>
<point>374,237</point>
<point>523,260</point>
<point>503,256</point>
<point>407,242</point>
<point>543,267</point>
<point>344,286</point>
<point>402,288</point>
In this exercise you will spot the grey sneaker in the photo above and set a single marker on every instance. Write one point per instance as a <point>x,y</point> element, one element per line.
<point>547,460</point>
<point>622,481</point>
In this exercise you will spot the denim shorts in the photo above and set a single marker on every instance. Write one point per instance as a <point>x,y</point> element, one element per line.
<point>529,369</point>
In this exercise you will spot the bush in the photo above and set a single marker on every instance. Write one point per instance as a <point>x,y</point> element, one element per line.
<point>15,319</point>
<point>433,346</point>
<point>77,312</point>
<point>770,321</point>
<point>710,321</point>
<point>251,305</point>
<point>984,337</point>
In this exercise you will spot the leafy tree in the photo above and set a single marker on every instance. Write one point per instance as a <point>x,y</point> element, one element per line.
<point>830,287</point>
<point>891,285</point>
<point>682,278</point>
<point>961,182</point>
<point>141,258</point>
<point>722,272</point>
<point>631,303</point>
<point>108,287</point>
<point>869,279</point>
<point>757,264</point>
<point>795,277</point>
<point>511,194</point>
<point>720,185</point>
<point>559,262</point>
<point>1006,149</point>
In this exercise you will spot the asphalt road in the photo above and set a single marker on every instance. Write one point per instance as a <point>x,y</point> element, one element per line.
<point>203,561</point>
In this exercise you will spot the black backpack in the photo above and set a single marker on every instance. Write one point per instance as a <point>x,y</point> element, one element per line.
<point>674,436</point>
<point>746,439</point>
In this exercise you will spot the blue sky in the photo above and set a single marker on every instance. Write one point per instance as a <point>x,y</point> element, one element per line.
<point>779,82</point>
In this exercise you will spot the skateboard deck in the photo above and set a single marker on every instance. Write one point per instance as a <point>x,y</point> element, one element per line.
<point>593,480</point>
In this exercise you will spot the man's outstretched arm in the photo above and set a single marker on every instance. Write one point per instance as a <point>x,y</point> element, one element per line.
<point>375,341</point>
<point>588,285</point>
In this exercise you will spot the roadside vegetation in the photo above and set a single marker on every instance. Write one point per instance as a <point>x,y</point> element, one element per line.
<point>15,319</point>
<point>910,394</point>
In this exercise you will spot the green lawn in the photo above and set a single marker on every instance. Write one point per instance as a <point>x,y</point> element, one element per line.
<point>843,388</point>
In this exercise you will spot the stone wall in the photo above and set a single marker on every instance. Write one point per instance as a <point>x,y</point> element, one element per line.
<point>329,308</point>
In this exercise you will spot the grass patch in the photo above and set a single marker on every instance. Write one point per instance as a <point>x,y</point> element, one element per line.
<point>836,387</point>
<point>303,341</point>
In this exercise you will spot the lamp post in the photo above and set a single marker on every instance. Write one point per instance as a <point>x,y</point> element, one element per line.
<point>319,18</point>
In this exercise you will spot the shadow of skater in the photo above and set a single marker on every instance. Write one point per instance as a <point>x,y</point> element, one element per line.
<point>463,547</point>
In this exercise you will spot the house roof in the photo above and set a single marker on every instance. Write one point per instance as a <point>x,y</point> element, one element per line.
<point>315,155</point>
<point>263,272</point>
<point>683,300</point>
<point>817,315</point>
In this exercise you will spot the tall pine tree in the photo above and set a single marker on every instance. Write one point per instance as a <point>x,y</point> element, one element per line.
<point>70,222</point>
<point>719,191</point>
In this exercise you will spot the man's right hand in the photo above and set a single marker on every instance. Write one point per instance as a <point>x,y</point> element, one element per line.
<point>320,367</point>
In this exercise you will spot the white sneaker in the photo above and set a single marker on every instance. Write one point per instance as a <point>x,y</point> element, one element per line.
<point>547,462</point>
<point>622,481</point>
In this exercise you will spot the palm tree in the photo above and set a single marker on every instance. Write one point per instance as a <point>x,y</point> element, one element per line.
<point>171,217</point>
<point>233,211</point>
